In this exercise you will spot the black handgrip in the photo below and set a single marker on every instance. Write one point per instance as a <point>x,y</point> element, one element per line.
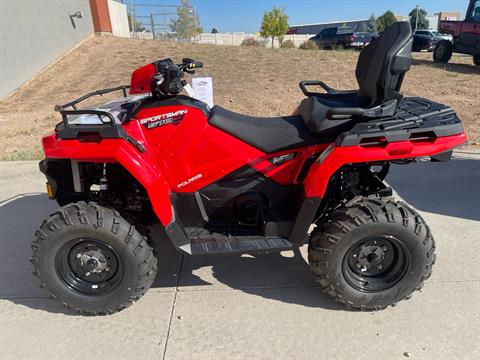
<point>303,86</point>
<point>345,111</point>
<point>195,65</point>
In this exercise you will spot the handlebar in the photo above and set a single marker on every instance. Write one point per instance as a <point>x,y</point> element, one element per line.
<point>168,79</point>
<point>189,66</point>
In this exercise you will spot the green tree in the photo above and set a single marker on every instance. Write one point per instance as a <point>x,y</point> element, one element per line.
<point>423,22</point>
<point>186,25</point>
<point>372,24</point>
<point>386,20</point>
<point>274,24</point>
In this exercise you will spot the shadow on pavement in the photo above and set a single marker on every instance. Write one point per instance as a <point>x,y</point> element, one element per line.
<point>450,189</point>
<point>262,275</point>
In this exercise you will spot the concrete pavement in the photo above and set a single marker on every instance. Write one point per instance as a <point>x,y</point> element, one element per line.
<point>260,307</point>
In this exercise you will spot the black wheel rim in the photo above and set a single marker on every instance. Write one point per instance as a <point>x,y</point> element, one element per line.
<point>89,266</point>
<point>376,264</point>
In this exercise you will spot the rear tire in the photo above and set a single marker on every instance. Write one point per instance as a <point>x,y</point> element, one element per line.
<point>372,253</point>
<point>443,52</point>
<point>476,59</point>
<point>92,260</point>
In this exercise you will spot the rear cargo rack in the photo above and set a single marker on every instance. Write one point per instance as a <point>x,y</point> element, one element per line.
<point>416,119</point>
<point>105,130</point>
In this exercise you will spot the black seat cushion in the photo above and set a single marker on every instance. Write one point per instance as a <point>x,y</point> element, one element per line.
<point>350,99</point>
<point>313,112</point>
<point>270,134</point>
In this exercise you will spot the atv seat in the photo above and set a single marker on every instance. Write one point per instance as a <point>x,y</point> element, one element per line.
<point>380,70</point>
<point>270,134</point>
<point>323,116</point>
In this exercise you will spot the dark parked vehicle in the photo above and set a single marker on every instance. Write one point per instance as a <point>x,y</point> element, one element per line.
<point>425,40</point>
<point>466,36</point>
<point>340,37</point>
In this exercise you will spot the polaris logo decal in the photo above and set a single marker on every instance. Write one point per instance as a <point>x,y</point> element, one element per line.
<point>163,119</point>
<point>192,179</point>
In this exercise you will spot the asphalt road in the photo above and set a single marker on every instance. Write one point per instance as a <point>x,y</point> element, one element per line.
<point>262,307</point>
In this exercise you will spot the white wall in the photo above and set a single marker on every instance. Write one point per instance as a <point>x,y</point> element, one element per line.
<point>236,39</point>
<point>118,19</point>
<point>33,34</point>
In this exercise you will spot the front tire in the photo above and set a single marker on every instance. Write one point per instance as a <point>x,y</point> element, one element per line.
<point>476,59</point>
<point>442,53</point>
<point>372,253</point>
<point>92,260</point>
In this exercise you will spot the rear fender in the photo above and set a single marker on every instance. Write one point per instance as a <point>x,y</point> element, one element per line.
<point>141,165</point>
<point>334,157</point>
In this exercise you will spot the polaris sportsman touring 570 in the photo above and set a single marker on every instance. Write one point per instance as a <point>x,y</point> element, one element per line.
<point>219,182</point>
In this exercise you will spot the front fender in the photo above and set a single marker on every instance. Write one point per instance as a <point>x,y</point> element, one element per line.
<point>141,165</point>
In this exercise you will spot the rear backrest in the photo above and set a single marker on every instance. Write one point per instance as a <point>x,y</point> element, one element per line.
<point>382,65</point>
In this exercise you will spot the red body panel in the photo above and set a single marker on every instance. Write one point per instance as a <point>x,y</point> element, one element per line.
<point>320,173</point>
<point>141,81</point>
<point>192,148</point>
<point>185,154</point>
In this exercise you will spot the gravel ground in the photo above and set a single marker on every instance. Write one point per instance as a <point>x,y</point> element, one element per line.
<point>251,80</point>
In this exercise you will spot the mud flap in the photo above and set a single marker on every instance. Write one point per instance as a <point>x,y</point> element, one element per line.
<point>442,157</point>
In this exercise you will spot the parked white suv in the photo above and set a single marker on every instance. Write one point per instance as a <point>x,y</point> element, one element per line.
<point>435,34</point>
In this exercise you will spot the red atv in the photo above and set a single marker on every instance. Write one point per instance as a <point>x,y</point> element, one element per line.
<point>224,183</point>
<point>466,36</point>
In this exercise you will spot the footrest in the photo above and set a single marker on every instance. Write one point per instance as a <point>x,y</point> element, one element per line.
<point>212,245</point>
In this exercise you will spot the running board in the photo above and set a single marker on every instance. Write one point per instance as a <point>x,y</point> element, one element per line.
<point>213,245</point>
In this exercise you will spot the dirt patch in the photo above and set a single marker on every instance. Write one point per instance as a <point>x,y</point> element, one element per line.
<point>250,80</point>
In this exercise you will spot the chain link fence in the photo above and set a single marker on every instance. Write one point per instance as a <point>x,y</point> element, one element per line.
<point>163,22</point>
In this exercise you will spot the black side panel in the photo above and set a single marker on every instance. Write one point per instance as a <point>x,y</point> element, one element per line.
<point>238,193</point>
<point>305,218</point>
<point>238,202</point>
<point>188,209</point>
<point>267,134</point>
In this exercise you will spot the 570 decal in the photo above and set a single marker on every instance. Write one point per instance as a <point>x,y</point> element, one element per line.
<point>163,119</point>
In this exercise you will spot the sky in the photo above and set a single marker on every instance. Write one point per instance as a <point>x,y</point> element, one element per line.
<point>246,15</point>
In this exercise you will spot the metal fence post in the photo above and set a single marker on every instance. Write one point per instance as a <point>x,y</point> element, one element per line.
<point>153,26</point>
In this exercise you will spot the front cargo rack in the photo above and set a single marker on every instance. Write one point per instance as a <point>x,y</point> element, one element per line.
<point>106,129</point>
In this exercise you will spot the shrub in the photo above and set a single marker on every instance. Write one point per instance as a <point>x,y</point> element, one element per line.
<point>287,44</point>
<point>251,42</point>
<point>308,45</point>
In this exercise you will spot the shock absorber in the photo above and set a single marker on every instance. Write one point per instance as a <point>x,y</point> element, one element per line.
<point>103,181</point>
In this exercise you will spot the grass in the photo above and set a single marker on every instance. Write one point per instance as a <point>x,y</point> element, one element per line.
<point>251,80</point>
<point>26,154</point>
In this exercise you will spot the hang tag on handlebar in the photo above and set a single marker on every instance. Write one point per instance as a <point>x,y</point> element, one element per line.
<point>203,89</point>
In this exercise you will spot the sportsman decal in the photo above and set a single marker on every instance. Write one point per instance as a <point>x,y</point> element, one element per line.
<point>164,119</point>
